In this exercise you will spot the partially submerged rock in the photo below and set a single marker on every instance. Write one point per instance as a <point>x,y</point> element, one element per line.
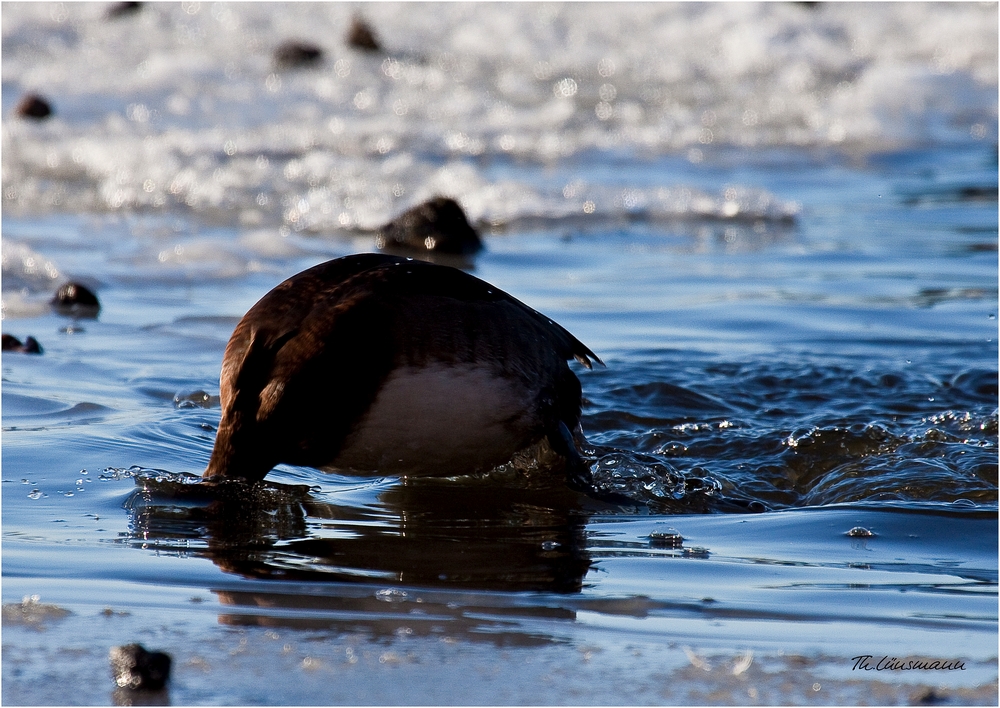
<point>122,9</point>
<point>76,300</point>
<point>135,668</point>
<point>10,343</point>
<point>361,36</point>
<point>294,54</point>
<point>438,225</point>
<point>34,107</point>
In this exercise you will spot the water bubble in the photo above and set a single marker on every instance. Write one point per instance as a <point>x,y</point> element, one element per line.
<point>860,532</point>
<point>565,88</point>
<point>666,538</point>
<point>194,399</point>
<point>35,494</point>
<point>391,595</point>
<point>543,70</point>
<point>115,474</point>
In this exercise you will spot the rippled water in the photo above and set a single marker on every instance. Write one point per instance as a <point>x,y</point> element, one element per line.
<point>797,309</point>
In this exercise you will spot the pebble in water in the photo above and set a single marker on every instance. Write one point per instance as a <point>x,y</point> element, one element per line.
<point>195,399</point>
<point>666,538</point>
<point>76,300</point>
<point>361,36</point>
<point>34,107</point>
<point>122,9</point>
<point>438,225</point>
<point>11,343</point>
<point>294,54</point>
<point>134,667</point>
<point>697,552</point>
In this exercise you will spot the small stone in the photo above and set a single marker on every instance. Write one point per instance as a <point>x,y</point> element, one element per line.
<point>696,552</point>
<point>293,54</point>
<point>76,299</point>
<point>34,107</point>
<point>927,697</point>
<point>134,667</point>
<point>122,9</point>
<point>666,538</point>
<point>13,344</point>
<point>361,36</point>
<point>438,225</point>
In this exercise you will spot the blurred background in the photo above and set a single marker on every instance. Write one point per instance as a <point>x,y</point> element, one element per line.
<point>275,114</point>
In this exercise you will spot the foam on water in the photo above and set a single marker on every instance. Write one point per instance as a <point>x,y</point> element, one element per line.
<point>197,116</point>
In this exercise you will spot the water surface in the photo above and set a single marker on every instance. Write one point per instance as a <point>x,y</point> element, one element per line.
<point>797,309</point>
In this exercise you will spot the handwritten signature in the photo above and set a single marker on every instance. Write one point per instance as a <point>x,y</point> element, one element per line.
<point>867,662</point>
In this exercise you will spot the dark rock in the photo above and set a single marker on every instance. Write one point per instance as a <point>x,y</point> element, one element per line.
<point>293,55</point>
<point>122,9</point>
<point>927,697</point>
<point>13,344</point>
<point>438,225</point>
<point>134,667</point>
<point>10,343</point>
<point>31,346</point>
<point>361,36</point>
<point>33,106</point>
<point>666,538</point>
<point>77,300</point>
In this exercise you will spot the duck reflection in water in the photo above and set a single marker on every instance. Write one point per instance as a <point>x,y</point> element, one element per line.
<point>341,567</point>
<point>464,534</point>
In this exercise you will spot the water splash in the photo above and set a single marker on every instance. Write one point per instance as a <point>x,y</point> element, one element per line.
<point>651,481</point>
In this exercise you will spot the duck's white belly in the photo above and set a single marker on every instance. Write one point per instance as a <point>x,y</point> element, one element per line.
<point>440,420</point>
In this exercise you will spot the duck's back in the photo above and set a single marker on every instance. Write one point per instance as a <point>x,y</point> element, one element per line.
<point>378,364</point>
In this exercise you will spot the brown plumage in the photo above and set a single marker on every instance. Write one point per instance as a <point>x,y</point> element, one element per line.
<point>378,364</point>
